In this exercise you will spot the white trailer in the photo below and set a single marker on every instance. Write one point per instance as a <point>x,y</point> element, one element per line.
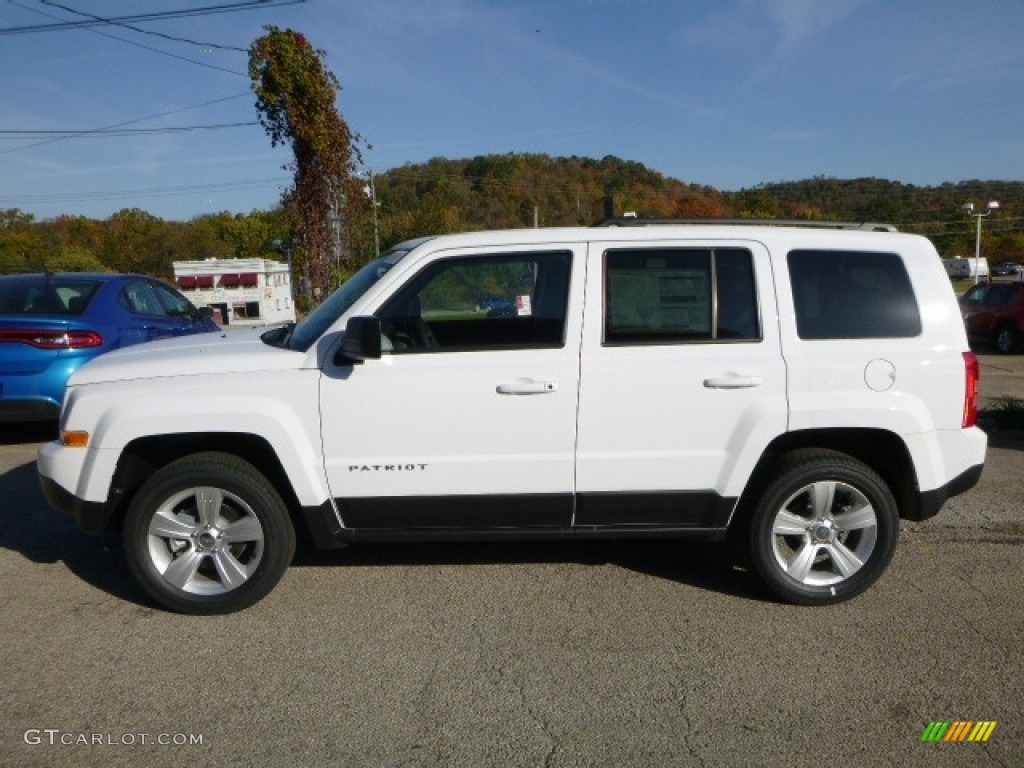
<point>960,267</point>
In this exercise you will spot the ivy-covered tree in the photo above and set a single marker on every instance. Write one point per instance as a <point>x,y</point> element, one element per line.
<point>295,98</point>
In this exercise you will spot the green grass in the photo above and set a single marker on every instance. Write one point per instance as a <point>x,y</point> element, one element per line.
<point>439,315</point>
<point>960,287</point>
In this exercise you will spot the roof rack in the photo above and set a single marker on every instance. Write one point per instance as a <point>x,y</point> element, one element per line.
<point>867,226</point>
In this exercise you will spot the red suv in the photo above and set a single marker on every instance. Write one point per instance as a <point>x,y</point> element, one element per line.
<point>994,313</point>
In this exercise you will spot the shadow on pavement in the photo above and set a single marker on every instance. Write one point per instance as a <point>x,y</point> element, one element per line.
<point>19,433</point>
<point>706,566</point>
<point>28,526</point>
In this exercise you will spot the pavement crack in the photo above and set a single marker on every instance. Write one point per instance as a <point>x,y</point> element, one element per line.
<point>682,703</point>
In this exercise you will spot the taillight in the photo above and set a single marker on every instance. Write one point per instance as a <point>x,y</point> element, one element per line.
<point>972,372</point>
<point>51,339</point>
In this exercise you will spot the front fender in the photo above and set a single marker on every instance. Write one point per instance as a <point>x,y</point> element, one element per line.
<point>282,409</point>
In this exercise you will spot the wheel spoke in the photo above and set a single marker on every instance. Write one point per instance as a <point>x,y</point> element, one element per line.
<point>183,568</point>
<point>822,495</point>
<point>208,504</point>
<point>169,526</point>
<point>861,517</point>
<point>844,560</point>
<point>246,529</point>
<point>789,524</point>
<point>799,566</point>
<point>232,573</point>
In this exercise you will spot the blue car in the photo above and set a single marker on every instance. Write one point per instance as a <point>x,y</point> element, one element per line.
<point>51,324</point>
<point>497,307</point>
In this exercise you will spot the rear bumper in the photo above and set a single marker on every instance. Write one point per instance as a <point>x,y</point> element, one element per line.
<point>948,462</point>
<point>932,501</point>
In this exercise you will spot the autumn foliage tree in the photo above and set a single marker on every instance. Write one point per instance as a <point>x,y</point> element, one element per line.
<point>295,98</point>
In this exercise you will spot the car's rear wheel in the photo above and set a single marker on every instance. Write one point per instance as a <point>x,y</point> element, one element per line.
<point>208,534</point>
<point>824,529</point>
<point>1006,340</point>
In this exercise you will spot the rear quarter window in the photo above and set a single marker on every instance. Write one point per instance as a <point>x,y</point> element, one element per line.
<point>852,295</point>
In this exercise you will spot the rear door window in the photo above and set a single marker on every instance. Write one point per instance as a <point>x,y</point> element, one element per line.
<point>140,298</point>
<point>668,296</point>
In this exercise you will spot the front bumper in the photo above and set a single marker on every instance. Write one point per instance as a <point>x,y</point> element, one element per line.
<point>75,481</point>
<point>91,516</point>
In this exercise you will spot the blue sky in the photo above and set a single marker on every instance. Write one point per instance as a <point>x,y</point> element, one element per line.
<point>730,93</point>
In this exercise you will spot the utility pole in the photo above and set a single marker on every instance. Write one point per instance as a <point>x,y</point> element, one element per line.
<point>371,190</point>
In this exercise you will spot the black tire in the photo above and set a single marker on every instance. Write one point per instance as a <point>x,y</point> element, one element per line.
<point>1006,340</point>
<point>823,529</point>
<point>208,534</point>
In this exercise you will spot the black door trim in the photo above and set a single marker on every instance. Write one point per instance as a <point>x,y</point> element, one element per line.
<point>484,512</point>
<point>587,512</point>
<point>683,509</point>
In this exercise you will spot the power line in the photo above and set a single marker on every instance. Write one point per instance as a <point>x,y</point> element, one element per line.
<point>164,191</point>
<point>158,16</point>
<point>141,31</point>
<point>104,133</point>
<point>146,47</point>
<point>131,122</point>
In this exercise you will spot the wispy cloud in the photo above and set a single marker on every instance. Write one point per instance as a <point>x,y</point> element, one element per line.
<point>769,36</point>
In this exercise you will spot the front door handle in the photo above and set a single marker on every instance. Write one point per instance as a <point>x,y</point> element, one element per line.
<point>527,387</point>
<point>732,382</point>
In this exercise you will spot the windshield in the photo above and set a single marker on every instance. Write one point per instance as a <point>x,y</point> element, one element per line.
<point>324,316</point>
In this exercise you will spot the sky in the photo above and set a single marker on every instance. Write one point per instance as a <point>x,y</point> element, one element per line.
<point>726,93</point>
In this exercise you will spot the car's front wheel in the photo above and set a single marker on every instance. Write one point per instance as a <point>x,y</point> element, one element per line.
<point>208,534</point>
<point>824,529</point>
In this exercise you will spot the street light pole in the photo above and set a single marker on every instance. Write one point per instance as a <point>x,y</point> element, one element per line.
<point>969,207</point>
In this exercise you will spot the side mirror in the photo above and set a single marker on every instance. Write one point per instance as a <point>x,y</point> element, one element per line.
<point>361,340</point>
<point>205,313</point>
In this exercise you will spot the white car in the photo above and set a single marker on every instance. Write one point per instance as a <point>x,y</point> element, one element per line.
<point>797,389</point>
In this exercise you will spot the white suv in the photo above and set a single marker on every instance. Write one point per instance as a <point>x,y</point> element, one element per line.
<point>798,389</point>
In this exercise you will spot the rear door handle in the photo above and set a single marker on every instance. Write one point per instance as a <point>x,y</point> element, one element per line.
<point>527,387</point>
<point>732,382</point>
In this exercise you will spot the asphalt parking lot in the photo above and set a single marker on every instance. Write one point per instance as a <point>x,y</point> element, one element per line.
<point>597,654</point>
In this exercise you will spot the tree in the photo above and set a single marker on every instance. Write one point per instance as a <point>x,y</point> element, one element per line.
<point>134,241</point>
<point>22,248</point>
<point>327,207</point>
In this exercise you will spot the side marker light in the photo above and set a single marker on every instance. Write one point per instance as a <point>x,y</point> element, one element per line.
<point>75,439</point>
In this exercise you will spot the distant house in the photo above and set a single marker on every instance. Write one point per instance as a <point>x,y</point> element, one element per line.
<point>239,291</point>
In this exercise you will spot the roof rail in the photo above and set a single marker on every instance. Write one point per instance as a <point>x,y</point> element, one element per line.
<point>868,226</point>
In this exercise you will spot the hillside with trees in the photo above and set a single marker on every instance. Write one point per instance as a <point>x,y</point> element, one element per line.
<point>501,191</point>
<point>513,190</point>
